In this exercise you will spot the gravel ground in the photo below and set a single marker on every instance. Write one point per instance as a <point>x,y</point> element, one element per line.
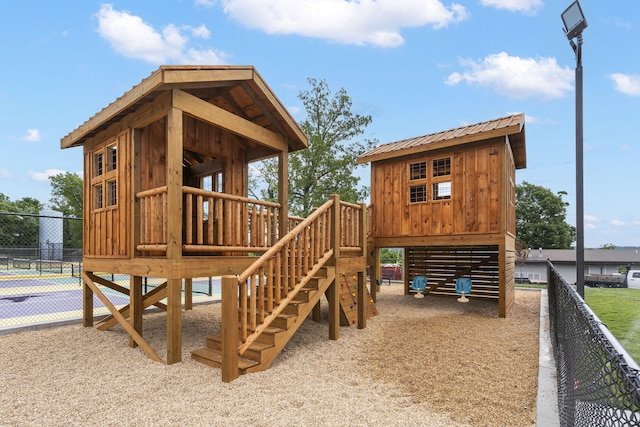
<point>430,362</point>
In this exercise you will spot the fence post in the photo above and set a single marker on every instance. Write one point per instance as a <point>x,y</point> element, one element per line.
<point>229,330</point>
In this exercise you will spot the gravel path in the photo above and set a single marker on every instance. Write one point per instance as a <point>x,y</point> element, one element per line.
<point>431,362</point>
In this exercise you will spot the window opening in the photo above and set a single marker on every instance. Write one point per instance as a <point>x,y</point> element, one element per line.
<point>112,193</point>
<point>112,158</point>
<point>418,193</point>
<point>98,197</point>
<point>97,164</point>
<point>442,167</point>
<point>417,171</point>
<point>442,190</point>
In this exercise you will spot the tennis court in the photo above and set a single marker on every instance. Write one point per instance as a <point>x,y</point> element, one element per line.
<point>28,298</point>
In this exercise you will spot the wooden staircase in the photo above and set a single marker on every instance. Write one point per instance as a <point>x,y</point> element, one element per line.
<point>260,354</point>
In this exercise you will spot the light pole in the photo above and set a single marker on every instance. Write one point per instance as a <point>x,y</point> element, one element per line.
<point>574,23</point>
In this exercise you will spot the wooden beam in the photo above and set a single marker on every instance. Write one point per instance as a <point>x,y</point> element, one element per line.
<point>152,297</point>
<point>87,305</point>
<point>174,183</point>
<point>217,116</point>
<point>88,278</point>
<point>174,321</point>
<point>229,331</point>
<point>135,296</point>
<point>210,76</point>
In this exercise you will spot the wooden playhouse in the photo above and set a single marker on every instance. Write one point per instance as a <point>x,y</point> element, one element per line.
<point>165,196</point>
<point>448,199</point>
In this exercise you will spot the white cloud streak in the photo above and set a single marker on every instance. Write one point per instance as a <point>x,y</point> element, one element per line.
<point>629,84</point>
<point>32,135</point>
<point>516,77</point>
<point>358,22</point>
<point>130,36</point>
<point>44,176</point>
<point>524,6</point>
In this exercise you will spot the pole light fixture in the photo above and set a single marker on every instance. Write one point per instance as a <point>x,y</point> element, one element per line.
<point>574,20</point>
<point>574,23</point>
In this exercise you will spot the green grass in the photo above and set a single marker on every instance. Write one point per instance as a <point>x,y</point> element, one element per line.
<point>619,309</point>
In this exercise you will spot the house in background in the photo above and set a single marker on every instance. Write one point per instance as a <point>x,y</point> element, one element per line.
<point>596,261</point>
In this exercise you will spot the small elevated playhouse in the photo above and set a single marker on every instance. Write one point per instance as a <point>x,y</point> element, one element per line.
<point>448,199</point>
<point>165,196</point>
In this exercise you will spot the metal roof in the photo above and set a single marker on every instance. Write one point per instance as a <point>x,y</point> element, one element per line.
<point>511,126</point>
<point>237,89</point>
<point>591,256</point>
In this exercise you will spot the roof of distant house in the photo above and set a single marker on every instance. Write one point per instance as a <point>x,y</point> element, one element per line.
<point>604,256</point>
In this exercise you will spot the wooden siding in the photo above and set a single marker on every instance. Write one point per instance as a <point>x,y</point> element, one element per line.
<point>474,206</point>
<point>106,232</point>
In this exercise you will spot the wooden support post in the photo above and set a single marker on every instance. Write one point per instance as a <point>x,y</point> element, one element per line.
<point>375,273</point>
<point>174,321</point>
<point>334,309</point>
<point>363,301</point>
<point>229,330</point>
<point>188,293</point>
<point>135,308</point>
<point>283,193</point>
<point>316,314</point>
<point>87,305</point>
<point>336,228</point>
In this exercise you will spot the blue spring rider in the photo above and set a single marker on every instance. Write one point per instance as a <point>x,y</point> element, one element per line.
<point>419,284</point>
<point>463,286</point>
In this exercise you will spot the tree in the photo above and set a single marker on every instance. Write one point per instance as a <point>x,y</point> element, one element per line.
<point>608,246</point>
<point>327,166</point>
<point>67,198</point>
<point>67,194</point>
<point>541,218</point>
<point>19,231</point>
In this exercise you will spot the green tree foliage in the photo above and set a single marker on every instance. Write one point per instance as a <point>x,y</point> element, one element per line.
<point>16,230</point>
<point>390,256</point>
<point>66,192</point>
<point>328,165</point>
<point>608,246</point>
<point>66,197</point>
<point>541,218</point>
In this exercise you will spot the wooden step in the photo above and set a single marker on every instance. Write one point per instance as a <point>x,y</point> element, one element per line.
<point>254,352</point>
<point>213,357</point>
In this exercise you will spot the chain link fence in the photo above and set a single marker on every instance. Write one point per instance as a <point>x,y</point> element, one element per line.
<point>41,267</point>
<point>598,382</point>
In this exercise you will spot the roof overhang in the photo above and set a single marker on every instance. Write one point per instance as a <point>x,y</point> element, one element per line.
<point>243,92</point>
<point>511,127</point>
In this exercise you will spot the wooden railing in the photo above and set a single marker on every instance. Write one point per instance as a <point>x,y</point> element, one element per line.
<point>219,222</point>
<point>351,224</point>
<point>153,219</point>
<point>213,222</point>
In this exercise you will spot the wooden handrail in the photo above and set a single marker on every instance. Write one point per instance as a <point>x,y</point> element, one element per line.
<point>285,240</point>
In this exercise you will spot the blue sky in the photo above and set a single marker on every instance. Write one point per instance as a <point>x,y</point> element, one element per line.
<point>415,66</point>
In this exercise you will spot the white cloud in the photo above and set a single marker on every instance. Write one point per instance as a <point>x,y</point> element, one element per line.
<point>525,6</point>
<point>44,176</point>
<point>591,218</point>
<point>361,22</point>
<point>130,36</point>
<point>590,226</point>
<point>206,2</point>
<point>616,223</point>
<point>32,135</point>
<point>628,84</point>
<point>4,173</point>
<point>517,77</point>
<point>201,32</point>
